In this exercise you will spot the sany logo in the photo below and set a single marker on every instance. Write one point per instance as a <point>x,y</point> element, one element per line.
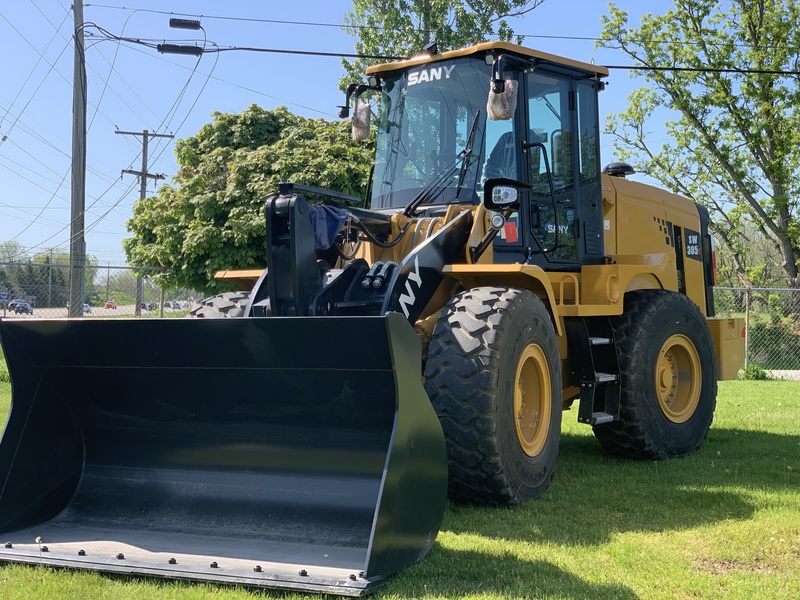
<point>432,74</point>
<point>407,300</point>
<point>563,229</point>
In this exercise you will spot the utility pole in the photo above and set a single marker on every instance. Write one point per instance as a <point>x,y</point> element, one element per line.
<point>77,244</point>
<point>143,177</point>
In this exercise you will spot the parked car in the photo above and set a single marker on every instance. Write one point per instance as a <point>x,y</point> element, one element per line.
<point>23,308</point>
<point>13,304</point>
<point>110,304</point>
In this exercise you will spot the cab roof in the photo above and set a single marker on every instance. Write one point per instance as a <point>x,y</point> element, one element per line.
<point>489,48</point>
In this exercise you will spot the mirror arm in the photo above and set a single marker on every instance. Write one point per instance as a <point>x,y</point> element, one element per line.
<point>499,65</point>
<point>344,111</point>
<point>498,83</point>
<point>358,89</point>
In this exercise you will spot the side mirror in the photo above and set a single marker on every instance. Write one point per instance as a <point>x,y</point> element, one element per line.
<point>502,193</point>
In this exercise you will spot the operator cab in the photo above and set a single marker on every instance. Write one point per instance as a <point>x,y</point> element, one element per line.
<point>439,141</point>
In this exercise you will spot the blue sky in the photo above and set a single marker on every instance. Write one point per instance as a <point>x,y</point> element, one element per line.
<point>132,88</point>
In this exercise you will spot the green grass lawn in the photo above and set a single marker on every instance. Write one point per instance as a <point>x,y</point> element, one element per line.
<point>722,523</point>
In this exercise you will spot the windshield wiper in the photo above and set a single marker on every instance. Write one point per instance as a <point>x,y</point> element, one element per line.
<point>432,191</point>
<point>467,152</point>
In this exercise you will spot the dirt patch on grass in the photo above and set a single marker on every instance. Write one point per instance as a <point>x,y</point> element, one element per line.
<point>728,566</point>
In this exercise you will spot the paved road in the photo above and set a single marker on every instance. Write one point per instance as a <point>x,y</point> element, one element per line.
<point>97,312</point>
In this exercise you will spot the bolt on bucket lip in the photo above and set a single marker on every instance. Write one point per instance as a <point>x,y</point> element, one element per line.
<point>238,563</point>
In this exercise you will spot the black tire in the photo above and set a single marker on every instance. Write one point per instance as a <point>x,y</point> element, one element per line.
<point>229,305</point>
<point>486,339</point>
<point>668,377</point>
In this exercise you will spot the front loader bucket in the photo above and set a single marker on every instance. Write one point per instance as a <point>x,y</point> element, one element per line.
<point>292,453</point>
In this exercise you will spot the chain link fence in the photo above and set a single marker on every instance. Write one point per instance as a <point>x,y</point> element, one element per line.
<point>772,319</point>
<point>42,290</point>
<point>28,289</point>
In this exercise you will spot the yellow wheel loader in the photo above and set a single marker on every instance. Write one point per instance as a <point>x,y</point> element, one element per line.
<point>387,358</point>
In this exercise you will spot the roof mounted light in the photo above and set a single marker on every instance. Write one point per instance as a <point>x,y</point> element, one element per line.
<point>618,169</point>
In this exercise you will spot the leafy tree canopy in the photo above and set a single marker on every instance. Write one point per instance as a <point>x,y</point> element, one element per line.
<point>735,136</point>
<point>405,27</point>
<point>211,217</point>
<point>12,251</point>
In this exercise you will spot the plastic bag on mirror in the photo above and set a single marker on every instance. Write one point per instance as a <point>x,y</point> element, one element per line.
<point>362,112</point>
<point>502,106</point>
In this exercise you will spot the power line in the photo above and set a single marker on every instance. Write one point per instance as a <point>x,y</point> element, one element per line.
<point>152,44</point>
<point>306,52</point>
<point>380,28</point>
<point>167,120</point>
<point>158,44</point>
<point>52,65</point>
<point>704,70</point>
<point>243,87</point>
<point>108,77</point>
<point>30,74</point>
<point>31,181</point>
<point>36,91</point>
<point>227,18</point>
<point>21,126</point>
<point>127,191</point>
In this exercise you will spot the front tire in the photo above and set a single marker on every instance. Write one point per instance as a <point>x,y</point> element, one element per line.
<point>493,375</point>
<point>668,378</point>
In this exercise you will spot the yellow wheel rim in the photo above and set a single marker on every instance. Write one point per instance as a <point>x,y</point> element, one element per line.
<point>532,401</point>
<point>678,375</point>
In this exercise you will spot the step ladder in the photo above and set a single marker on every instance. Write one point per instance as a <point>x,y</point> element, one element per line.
<point>594,368</point>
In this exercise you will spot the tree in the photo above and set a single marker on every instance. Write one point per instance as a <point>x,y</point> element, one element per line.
<point>12,251</point>
<point>735,96</point>
<point>211,217</point>
<point>388,28</point>
<point>42,278</point>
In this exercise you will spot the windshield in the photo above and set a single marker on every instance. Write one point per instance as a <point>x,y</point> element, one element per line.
<point>425,119</point>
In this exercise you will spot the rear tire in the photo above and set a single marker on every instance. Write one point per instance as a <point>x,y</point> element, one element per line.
<point>668,377</point>
<point>229,305</point>
<point>493,375</point>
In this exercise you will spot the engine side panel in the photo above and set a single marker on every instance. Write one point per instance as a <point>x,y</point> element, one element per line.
<point>640,219</point>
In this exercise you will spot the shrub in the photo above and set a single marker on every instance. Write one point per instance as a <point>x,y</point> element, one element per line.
<point>755,373</point>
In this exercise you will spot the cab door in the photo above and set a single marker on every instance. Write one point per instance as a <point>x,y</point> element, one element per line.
<point>563,163</point>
